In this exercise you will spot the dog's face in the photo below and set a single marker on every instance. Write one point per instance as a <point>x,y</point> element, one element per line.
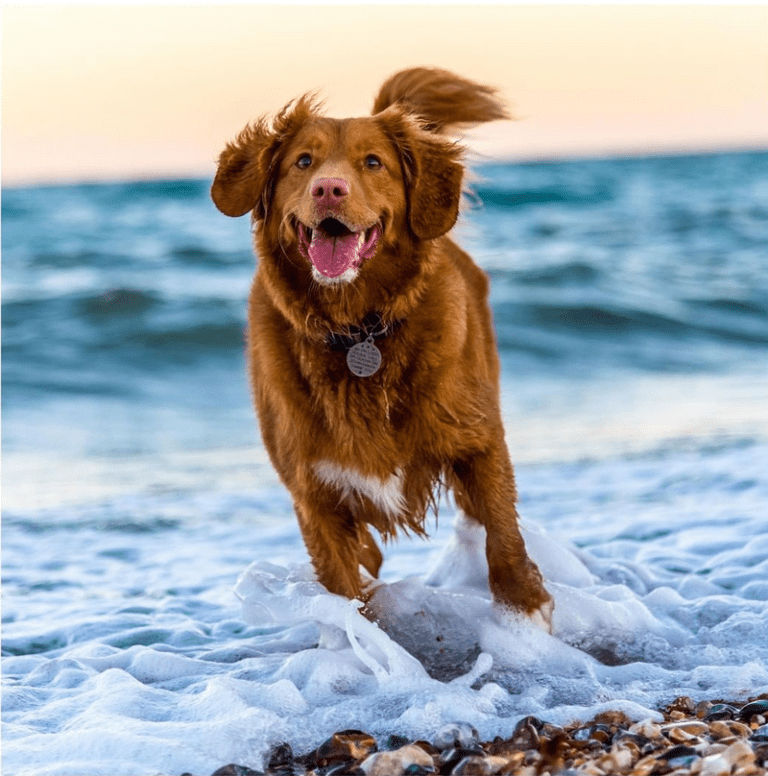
<point>341,195</point>
<point>338,193</point>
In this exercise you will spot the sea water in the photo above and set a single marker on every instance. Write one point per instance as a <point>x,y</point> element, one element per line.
<point>160,614</point>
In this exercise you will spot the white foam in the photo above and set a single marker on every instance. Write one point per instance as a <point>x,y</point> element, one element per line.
<point>150,664</point>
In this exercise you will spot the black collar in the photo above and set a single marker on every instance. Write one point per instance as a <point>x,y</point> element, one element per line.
<point>371,326</point>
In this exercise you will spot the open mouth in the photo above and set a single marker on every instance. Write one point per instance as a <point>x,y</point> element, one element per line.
<point>333,248</point>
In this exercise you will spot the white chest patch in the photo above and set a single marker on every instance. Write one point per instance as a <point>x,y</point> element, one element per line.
<point>387,494</point>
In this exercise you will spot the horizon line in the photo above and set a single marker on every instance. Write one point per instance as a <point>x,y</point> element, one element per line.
<point>474,158</point>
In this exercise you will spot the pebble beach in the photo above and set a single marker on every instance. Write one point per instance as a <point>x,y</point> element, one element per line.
<point>701,739</point>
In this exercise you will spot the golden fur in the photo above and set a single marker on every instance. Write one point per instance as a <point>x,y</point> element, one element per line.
<point>361,452</point>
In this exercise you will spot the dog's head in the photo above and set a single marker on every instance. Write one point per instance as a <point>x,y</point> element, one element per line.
<point>338,192</point>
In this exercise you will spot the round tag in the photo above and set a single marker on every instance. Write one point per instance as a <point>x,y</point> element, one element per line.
<point>364,359</point>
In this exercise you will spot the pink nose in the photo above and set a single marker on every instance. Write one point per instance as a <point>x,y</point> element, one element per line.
<point>329,192</point>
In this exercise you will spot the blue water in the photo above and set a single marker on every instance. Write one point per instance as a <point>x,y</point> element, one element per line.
<point>630,298</point>
<point>131,296</point>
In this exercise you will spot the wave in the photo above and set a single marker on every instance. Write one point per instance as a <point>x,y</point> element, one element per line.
<point>748,327</point>
<point>86,342</point>
<point>575,338</point>
<point>512,198</point>
<point>75,342</point>
<point>570,273</point>
<point>654,263</point>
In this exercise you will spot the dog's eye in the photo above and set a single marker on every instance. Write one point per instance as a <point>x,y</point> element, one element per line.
<point>372,162</point>
<point>304,161</point>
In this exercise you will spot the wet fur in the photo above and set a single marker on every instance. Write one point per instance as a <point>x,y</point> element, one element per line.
<point>431,413</point>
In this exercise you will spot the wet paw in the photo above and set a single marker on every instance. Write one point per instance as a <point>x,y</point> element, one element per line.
<point>542,617</point>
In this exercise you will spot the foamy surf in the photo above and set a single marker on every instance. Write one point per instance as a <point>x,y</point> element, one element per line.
<point>167,671</point>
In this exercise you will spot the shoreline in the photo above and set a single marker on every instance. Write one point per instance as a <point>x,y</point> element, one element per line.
<point>708,738</point>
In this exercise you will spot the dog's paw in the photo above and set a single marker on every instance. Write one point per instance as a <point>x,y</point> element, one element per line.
<point>542,617</point>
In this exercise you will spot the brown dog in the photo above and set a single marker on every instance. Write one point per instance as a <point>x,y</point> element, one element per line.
<point>372,351</point>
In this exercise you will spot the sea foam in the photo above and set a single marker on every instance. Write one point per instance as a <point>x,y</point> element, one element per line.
<point>166,671</point>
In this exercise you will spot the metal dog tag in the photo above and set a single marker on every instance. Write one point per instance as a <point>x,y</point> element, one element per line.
<point>364,359</point>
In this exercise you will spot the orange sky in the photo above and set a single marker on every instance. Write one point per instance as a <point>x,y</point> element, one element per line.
<point>105,92</point>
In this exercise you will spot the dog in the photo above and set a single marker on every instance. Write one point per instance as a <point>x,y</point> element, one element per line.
<point>372,353</point>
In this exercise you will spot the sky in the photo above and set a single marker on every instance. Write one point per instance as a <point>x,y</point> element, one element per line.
<point>105,92</point>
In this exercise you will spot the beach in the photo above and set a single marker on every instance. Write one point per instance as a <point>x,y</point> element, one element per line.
<point>160,615</point>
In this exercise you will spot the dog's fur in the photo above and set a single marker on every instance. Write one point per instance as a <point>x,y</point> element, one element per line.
<point>357,452</point>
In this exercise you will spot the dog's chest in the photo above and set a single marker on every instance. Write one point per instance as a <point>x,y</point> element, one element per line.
<point>385,493</point>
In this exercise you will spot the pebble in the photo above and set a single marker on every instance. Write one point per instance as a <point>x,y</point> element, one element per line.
<point>754,709</point>
<point>461,735</point>
<point>695,739</point>
<point>646,728</point>
<point>761,734</point>
<point>739,754</point>
<point>479,765</point>
<point>400,761</point>
<point>691,728</point>
<point>721,711</point>
<point>343,746</point>
<point>715,765</point>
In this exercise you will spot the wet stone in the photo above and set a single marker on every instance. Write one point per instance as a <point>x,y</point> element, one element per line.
<point>395,742</point>
<point>549,730</point>
<point>615,719</point>
<point>343,769</point>
<point>683,704</point>
<point>702,709</point>
<point>417,770</point>
<point>526,733</point>
<point>643,744</point>
<point>460,735</point>
<point>761,753</point>
<point>479,765</point>
<point>447,760</point>
<point>601,733</point>
<point>721,711</point>
<point>236,770</point>
<point>753,709</point>
<point>724,729</point>
<point>715,765</point>
<point>280,756</point>
<point>739,754</point>
<point>685,761</point>
<point>647,729</point>
<point>619,759</point>
<point>694,739</point>
<point>760,735</point>
<point>582,734</point>
<point>397,761</point>
<point>690,727</point>
<point>677,751</point>
<point>343,746</point>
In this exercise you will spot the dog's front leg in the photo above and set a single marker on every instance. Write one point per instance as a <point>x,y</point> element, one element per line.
<point>486,492</point>
<point>333,541</point>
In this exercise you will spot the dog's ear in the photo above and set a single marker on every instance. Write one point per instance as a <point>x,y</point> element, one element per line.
<point>248,166</point>
<point>242,177</point>
<point>435,191</point>
<point>432,171</point>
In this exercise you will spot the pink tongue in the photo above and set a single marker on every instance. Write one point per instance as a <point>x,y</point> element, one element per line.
<point>333,256</point>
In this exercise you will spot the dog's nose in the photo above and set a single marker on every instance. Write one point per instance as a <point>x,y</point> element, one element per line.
<point>329,192</point>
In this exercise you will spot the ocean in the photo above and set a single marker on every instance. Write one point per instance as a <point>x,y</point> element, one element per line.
<point>159,614</point>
